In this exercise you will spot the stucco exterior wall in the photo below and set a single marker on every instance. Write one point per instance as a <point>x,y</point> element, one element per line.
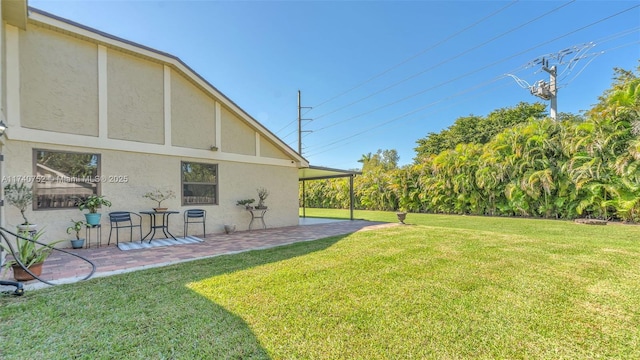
<point>267,149</point>
<point>240,181</point>
<point>58,82</point>
<point>135,98</point>
<point>237,137</point>
<point>144,172</point>
<point>144,112</point>
<point>193,115</point>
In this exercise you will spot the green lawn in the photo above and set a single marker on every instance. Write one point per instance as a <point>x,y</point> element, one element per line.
<point>441,287</point>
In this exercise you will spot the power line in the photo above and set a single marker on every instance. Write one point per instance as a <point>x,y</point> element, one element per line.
<point>293,122</point>
<point>420,118</point>
<point>443,62</point>
<point>596,55</point>
<point>424,107</point>
<point>294,131</point>
<point>549,91</point>
<point>579,55</point>
<point>417,54</point>
<point>610,37</point>
<point>300,120</point>
<point>487,66</point>
<point>451,96</point>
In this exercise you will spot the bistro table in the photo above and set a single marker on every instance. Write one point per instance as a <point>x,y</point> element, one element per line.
<point>155,223</point>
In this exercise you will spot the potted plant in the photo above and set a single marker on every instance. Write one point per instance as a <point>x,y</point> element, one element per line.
<point>92,203</point>
<point>262,196</point>
<point>246,203</point>
<point>20,195</point>
<point>159,196</point>
<point>30,254</point>
<point>76,227</point>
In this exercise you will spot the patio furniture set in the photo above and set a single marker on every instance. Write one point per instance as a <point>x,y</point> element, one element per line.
<point>158,221</point>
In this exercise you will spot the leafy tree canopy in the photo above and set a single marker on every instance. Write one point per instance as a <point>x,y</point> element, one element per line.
<point>384,159</point>
<point>477,129</point>
<point>621,102</point>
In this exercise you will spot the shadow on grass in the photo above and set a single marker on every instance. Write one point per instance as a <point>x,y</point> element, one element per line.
<point>143,314</point>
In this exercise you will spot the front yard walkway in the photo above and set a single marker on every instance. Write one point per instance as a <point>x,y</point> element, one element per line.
<point>109,260</point>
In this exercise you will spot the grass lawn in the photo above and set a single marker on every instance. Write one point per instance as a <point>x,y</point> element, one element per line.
<point>441,287</point>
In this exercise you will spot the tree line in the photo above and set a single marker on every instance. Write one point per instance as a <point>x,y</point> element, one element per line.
<point>513,162</point>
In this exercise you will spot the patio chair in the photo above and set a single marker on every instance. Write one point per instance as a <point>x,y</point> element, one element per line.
<point>123,220</point>
<point>195,216</point>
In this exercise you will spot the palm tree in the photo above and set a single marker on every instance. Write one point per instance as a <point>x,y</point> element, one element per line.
<point>365,159</point>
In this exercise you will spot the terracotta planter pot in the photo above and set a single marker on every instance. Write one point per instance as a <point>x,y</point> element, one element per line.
<point>20,275</point>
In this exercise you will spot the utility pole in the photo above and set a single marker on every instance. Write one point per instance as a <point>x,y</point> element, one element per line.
<point>553,72</point>
<point>548,91</point>
<point>300,131</point>
<point>300,119</point>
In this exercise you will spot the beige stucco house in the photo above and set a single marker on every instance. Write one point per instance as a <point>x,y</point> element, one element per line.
<point>87,112</point>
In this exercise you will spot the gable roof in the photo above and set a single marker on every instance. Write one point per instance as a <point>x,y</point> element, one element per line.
<point>176,63</point>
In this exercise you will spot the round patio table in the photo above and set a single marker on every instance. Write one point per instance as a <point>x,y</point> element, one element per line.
<point>155,223</point>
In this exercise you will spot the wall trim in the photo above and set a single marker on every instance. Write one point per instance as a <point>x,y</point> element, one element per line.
<point>258,144</point>
<point>219,126</point>
<point>167,106</point>
<point>12,48</point>
<point>103,100</point>
<point>49,137</point>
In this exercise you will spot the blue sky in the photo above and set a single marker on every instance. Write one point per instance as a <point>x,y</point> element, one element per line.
<point>377,74</point>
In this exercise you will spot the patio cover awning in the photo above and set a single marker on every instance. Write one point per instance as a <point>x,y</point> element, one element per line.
<point>321,173</point>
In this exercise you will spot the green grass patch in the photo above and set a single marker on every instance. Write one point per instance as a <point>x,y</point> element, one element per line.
<point>442,287</point>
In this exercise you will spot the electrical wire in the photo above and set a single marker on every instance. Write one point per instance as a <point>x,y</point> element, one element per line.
<point>446,61</point>
<point>424,107</point>
<point>595,56</point>
<point>417,54</point>
<point>522,83</point>
<point>480,69</point>
<point>293,121</point>
<point>578,55</point>
<point>426,115</point>
<point>580,72</point>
